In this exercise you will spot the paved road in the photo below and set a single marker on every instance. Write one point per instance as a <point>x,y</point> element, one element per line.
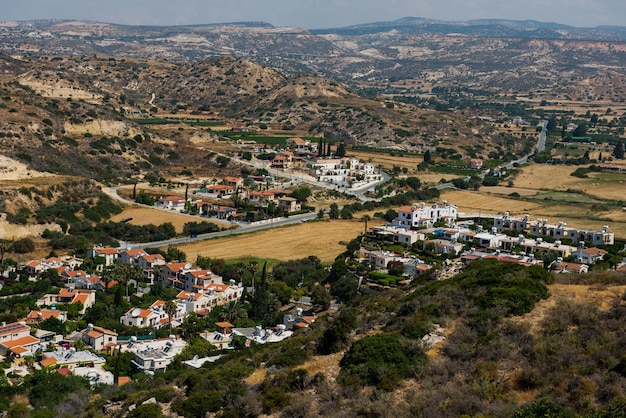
<point>243,229</point>
<point>541,146</point>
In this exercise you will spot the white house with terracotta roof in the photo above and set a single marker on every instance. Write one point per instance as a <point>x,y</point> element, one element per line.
<point>131,256</point>
<point>16,338</point>
<point>171,202</point>
<point>425,215</point>
<point>233,181</point>
<point>109,254</point>
<point>148,261</point>
<point>199,280</point>
<point>200,303</point>
<point>69,295</point>
<point>560,266</point>
<point>589,255</point>
<point>301,146</point>
<point>37,316</point>
<point>283,160</point>
<point>99,338</point>
<point>289,204</point>
<point>223,191</point>
<point>476,163</point>
<point>155,316</point>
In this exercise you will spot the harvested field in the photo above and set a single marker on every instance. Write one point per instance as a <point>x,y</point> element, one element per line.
<point>388,161</point>
<point>543,176</point>
<point>324,239</point>
<point>503,190</point>
<point>470,201</point>
<point>587,217</point>
<point>557,177</point>
<point>144,216</point>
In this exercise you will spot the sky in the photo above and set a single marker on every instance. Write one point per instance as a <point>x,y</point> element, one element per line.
<point>315,14</point>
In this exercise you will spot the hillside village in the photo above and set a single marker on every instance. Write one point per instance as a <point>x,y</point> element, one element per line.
<point>436,231</point>
<point>432,236</point>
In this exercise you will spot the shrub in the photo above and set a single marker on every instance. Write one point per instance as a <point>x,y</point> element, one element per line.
<point>289,358</point>
<point>380,360</point>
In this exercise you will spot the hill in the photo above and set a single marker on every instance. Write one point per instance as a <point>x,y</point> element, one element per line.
<point>98,117</point>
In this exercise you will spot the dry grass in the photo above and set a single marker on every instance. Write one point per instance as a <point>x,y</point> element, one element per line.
<point>578,293</point>
<point>470,201</point>
<point>388,161</point>
<point>327,365</point>
<point>558,177</point>
<point>145,216</point>
<point>325,240</point>
<point>543,176</point>
<point>503,190</point>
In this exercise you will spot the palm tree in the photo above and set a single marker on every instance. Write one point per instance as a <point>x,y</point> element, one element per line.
<point>365,218</point>
<point>157,270</point>
<point>170,310</point>
<point>232,311</point>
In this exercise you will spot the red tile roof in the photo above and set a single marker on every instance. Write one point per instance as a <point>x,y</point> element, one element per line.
<point>50,361</point>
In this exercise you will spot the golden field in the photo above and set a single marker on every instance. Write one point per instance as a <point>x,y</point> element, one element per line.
<point>324,239</point>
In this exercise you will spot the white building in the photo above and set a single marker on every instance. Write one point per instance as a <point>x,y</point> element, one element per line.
<point>153,356</point>
<point>426,215</point>
<point>154,317</point>
<point>345,172</point>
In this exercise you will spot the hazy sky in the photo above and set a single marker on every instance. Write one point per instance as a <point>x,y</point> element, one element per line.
<point>315,13</point>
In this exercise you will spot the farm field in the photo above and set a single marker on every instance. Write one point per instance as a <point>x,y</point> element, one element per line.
<point>471,201</point>
<point>145,216</point>
<point>388,161</point>
<point>558,177</point>
<point>325,239</point>
<point>581,216</point>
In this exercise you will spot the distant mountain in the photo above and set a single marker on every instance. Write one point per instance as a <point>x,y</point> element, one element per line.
<point>483,27</point>
<point>493,55</point>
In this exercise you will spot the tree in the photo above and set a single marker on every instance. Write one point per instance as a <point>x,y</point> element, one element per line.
<point>552,125</point>
<point>581,130</point>
<point>427,157</point>
<point>54,325</point>
<point>301,194</point>
<point>341,150</point>
<point>222,161</point>
<point>334,211</point>
<point>365,218</point>
<point>170,310</point>
<point>346,213</point>
<point>5,247</point>
<point>320,214</point>
<point>23,246</point>
<point>320,297</point>
<point>618,151</point>
<point>390,215</point>
<point>414,183</point>
<point>232,311</point>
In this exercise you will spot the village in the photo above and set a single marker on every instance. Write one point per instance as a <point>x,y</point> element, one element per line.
<point>431,237</point>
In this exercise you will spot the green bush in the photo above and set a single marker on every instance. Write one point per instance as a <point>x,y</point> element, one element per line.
<point>289,358</point>
<point>149,410</point>
<point>381,360</point>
